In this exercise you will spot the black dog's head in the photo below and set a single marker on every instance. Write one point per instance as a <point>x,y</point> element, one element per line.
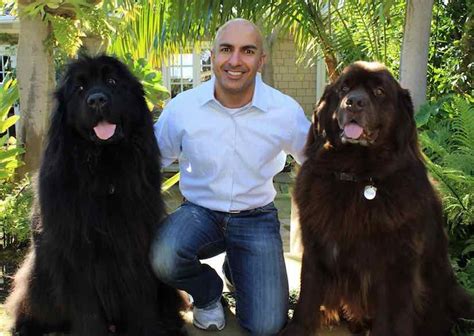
<point>100,99</point>
<point>365,106</point>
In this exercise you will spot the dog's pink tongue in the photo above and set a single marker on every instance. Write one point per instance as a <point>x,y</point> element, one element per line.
<point>353,131</point>
<point>104,130</point>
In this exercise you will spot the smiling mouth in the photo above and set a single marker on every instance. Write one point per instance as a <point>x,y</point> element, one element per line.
<point>234,74</point>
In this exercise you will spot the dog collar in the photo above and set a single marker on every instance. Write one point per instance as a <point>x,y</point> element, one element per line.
<point>369,192</point>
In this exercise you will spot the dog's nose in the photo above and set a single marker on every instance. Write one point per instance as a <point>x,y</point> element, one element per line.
<point>356,102</point>
<point>97,100</point>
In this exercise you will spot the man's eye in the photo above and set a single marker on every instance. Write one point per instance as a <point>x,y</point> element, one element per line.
<point>250,51</point>
<point>111,81</point>
<point>225,49</point>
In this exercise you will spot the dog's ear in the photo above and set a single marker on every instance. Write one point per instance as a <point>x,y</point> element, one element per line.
<point>59,114</point>
<point>325,124</point>
<point>60,98</point>
<point>406,131</point>
<point>322,126</point>
<point>313,133</point>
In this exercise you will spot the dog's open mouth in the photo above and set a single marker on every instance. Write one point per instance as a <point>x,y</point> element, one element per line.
<point>352,132</point>
<point>105,130</point>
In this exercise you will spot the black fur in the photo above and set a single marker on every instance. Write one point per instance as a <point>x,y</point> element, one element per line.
<point>88,269</point>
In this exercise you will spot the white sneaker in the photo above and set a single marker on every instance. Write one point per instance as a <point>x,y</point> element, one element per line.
<point>209,318</point>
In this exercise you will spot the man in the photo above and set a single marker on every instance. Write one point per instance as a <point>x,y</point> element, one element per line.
<point>231,135</point>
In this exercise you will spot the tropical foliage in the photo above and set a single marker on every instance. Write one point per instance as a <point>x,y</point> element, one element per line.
<point>447,137</point>
<point>66,30</point>
<point>14,206</point>
<point>340,31</point>
<point>9,151</point>
<point>451,54</point>
<point>446,126</point>
<point>16,199</point>
<point>151,80</point>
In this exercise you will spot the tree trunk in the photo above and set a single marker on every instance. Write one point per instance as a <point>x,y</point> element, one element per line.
<point>414,55</point>
<point>331,66</point>
<point>35,73</point>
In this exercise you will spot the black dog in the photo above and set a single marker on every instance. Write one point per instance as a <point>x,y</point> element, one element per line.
<point>99,200</point>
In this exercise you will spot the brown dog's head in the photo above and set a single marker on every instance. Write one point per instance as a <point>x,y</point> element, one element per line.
<point>365,106</point>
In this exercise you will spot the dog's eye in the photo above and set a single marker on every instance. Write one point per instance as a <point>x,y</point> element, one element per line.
<point>80,88</point>
<point>345,89</point>
<point>111,81</point>
<point>378,92</point>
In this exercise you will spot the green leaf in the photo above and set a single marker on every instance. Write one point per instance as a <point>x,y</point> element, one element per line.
<point>6,124</point>
<point>10,154</point>
<point>469,248</point>
<point>170,182</point>
<point>3,140</point>
<point>423,115</point>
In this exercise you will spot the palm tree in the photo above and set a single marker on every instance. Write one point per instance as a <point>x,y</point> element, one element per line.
<point>321,27</point>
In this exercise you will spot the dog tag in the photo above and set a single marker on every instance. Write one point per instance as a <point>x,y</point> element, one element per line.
<point>370,192</point>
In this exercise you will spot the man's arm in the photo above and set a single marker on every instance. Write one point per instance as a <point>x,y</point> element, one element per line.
<point>296,142</point>
<point>168,138</point>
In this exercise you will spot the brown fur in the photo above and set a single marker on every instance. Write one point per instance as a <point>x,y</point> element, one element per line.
<point>384,262</point>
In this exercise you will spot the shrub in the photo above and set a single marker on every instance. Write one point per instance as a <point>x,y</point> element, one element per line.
<point>447,138</point>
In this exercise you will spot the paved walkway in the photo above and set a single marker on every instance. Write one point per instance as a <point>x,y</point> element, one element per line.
<point>293,267</point>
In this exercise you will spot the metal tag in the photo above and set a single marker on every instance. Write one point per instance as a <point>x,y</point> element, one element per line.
<point>370,192</point>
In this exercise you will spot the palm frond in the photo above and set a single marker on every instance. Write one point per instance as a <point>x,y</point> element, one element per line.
<point>447,140</point>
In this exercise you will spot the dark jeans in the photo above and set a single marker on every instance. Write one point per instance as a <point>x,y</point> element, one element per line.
<point>254,253</point>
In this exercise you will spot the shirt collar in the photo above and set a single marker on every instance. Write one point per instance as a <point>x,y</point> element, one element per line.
<point>259,99</point>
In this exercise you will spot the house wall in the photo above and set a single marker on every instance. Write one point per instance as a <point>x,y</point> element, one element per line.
<point>294,80</point>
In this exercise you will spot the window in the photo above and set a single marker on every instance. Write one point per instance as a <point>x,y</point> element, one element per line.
<point>205,66</point>
<point>7,65</point>
<point>181,73</point>
<point>7,60</point>
<point>186,71</point>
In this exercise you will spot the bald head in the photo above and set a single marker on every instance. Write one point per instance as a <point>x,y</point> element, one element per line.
<point>240,25</point>
<point>236,58</point>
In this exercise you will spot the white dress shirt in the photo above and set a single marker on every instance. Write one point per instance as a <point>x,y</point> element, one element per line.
<point>228,157</point>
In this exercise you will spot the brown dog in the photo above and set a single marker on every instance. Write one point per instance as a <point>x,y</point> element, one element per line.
<point>372,225</point>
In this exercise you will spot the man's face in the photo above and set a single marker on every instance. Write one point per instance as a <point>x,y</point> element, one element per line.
<point>236,58</point>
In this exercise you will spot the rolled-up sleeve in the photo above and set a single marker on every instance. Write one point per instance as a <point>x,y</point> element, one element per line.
<point>168,138</point>
<point>296,143</point>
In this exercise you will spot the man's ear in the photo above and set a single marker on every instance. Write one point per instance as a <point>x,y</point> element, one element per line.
<point>263,60</point>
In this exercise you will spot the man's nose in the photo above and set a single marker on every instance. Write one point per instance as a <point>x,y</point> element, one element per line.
<point>235,59</point>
